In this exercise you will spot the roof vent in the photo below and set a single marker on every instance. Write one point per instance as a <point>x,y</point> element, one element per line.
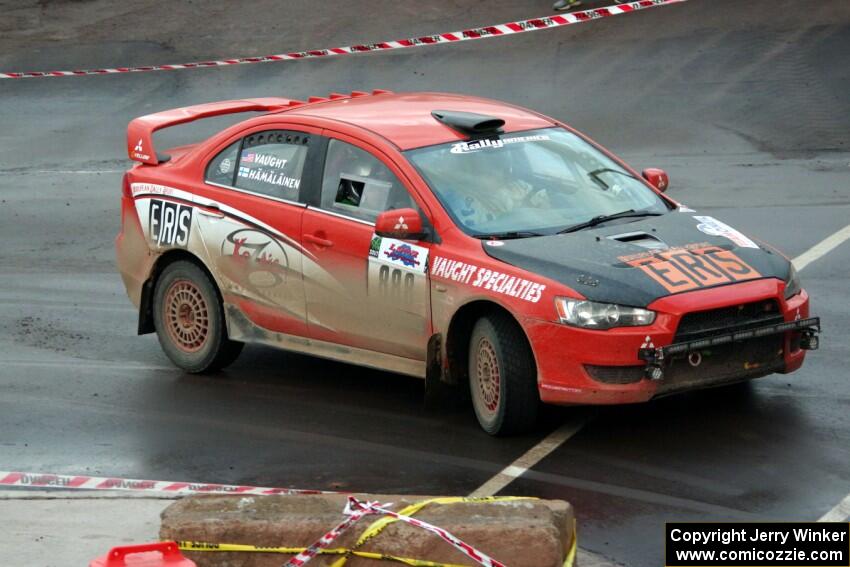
<point>469,123</point>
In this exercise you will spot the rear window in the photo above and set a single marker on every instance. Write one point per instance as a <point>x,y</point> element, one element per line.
<point>271,163</point>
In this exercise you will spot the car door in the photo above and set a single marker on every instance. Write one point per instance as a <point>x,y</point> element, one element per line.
<point>252,232</point>
<point>354,297</point>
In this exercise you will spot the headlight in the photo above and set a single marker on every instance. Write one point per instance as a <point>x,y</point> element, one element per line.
<point>593,315</point>
<point>792,286</point>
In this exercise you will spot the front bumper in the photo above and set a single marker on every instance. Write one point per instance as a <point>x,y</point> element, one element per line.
<point>656,358</point>
<point>578,366</point>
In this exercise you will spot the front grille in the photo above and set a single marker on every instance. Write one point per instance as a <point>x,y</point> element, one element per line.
<point>615,374</point>
<point>702,324</point>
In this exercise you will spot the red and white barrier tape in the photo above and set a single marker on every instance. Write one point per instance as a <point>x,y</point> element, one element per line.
<point>508,28</point>
<point>460,545</point>
<point>355,510</point>
<point>37,480</point>
<point>352,518</point>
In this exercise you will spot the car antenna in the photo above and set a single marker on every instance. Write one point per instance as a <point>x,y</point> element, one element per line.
<point>470,124</point>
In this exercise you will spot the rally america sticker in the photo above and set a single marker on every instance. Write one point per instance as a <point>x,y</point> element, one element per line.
<point>399,253</point>
<point>713,227</point>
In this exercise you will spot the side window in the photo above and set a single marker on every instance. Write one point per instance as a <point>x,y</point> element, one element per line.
<point>357,184</point>
<point>222,168</point>
<point>271,163</point>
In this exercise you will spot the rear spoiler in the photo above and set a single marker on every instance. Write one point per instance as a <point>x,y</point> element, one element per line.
<point>140,130</point>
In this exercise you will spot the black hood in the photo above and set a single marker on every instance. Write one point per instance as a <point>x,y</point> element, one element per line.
<point>636,262</point>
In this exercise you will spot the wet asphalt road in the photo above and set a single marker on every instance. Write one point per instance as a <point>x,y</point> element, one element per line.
<point>747,109</point>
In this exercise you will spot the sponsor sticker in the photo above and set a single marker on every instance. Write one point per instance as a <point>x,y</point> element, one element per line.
<point>498,282</point>
<point>375,246</point>
<point>713,227</point>
<point>169,223</point>
<point>225,166</point>
<point>691,267</point>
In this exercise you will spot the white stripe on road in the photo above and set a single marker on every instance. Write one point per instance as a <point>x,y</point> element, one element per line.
<point>822,248</point>
<point>65,305</point>
<point>89,365</point>
<point>840,513</point>
<point>530,458</point>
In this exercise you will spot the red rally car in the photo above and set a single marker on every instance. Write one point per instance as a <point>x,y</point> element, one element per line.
<point>451,238</point>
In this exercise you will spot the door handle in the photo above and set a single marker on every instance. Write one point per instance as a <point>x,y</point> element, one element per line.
<point>318,241</point>
<point>211,211</point>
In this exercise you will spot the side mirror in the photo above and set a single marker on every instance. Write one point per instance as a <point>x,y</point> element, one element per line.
<point>657,178</point>
<point>404,224</point>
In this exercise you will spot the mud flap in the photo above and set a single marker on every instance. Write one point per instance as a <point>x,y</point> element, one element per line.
<point>146,309</point>
<point>438,392</point>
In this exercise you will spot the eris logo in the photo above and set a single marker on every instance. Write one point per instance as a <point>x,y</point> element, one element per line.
<point>139,151</point>
<point>169,223</point>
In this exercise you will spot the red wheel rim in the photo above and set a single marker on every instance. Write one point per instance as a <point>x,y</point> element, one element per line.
<point>488,376</point>
<point>186,316</point>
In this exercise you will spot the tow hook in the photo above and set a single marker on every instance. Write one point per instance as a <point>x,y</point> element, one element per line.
<point>654,372</point>
<point>809,340</point>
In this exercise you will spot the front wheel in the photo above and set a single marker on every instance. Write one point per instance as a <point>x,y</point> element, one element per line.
<point>189,320</point>
<point>502,376</point>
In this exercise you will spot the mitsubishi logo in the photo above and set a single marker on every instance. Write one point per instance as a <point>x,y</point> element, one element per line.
<point>400,225</point>
<point>138,147</point>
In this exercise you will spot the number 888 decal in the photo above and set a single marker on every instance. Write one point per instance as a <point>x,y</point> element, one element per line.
<point>395,285</point>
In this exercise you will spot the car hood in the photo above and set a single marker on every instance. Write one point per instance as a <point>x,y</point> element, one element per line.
<point>636,262</point>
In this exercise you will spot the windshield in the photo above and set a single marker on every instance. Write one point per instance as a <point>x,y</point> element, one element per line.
<point>527,183</point>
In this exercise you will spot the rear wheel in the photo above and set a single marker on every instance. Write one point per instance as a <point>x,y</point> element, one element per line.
<point>502,376</point>
<point>189,320</point>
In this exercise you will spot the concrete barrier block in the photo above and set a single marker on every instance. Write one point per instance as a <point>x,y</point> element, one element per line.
<point>520,533</point>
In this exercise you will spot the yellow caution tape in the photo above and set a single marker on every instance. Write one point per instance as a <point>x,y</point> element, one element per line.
<point>379,525</point>
<point>373,530</point>
<point>571,554</point>
<point>206,546</point>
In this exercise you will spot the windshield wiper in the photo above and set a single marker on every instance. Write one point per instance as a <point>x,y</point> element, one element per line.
<point>605,218</point>
<point>509,235</point>
<point>598,180</point>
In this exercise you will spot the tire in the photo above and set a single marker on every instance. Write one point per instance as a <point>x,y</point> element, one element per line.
<point>189,320</point>
<point>502,376</point>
